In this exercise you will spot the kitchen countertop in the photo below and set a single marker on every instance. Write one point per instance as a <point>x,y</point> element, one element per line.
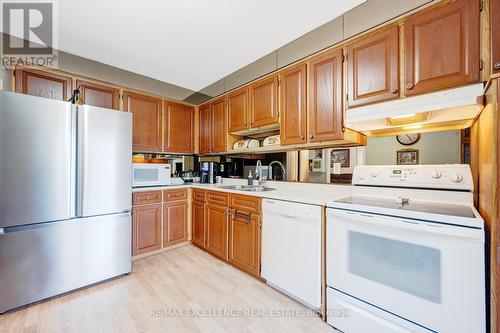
<point>314,194</point>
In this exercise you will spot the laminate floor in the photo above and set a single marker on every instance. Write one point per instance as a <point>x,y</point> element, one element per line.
<point>183,290</point>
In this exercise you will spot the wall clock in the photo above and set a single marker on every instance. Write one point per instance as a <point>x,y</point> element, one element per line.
<point>408,139</point>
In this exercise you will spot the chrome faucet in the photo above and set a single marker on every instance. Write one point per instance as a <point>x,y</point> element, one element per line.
<point>282,167</point>
<point>258,173</point>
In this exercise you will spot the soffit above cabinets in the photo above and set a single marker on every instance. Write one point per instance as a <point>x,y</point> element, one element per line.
<point>187,43</point>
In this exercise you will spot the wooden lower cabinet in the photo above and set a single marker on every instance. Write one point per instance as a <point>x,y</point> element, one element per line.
<point>217,229</point>
<point>244,242</point>
<point>229,228</point>
<point>199,225</point>
<point>174,223</point>
<point>146,229</point>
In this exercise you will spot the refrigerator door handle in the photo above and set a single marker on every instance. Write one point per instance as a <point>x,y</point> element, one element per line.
<point>74,151</point>
<point>79,160</point>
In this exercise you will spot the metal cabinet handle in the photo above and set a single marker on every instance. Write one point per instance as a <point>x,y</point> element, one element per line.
<point>394,91</point>
<point>409,86</point>
<point>247,220</point>
<point>302,137</point>
<point>497,65</point>
<point>311,136</point>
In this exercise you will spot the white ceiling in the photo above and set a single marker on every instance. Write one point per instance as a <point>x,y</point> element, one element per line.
<point>189,43</point>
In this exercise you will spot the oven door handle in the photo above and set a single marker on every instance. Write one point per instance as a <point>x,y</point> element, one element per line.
<point>408,224</point>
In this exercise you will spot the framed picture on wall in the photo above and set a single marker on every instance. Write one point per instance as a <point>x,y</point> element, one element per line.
<point>407,157</point>
<point>340,156</point>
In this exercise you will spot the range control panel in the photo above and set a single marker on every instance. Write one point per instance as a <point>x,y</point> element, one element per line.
<point>446,176</point>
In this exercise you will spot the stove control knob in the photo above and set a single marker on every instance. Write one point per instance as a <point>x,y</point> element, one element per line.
<point>436,174</point>
<point>457,178</point>
<point>374,174</point>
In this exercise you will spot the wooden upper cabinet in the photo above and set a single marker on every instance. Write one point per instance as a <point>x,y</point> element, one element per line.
<point>217,231</point>
<point>219,130</point>
<point>495,35</point>
<point>146,229</point>
<point>174,223</point>
<point>325,97</point>
<point>264,102</point>
<point>293,105</point>
<point>205,128</point>
<point>237,110</point>
<point>441,47</point>
<point>178,127</point>
<point>147,127</point>
<point>43,84</point>
<point>373,68</point>
<point>99,95</point>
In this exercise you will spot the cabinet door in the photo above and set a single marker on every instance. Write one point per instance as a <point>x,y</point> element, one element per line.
<point>373,68</point>
<point>146,229</point>
<point>43,84</point>
<point>146,112</point>
<point>264,102</point>
<point>174,223</point>
<point>219,131</point>
<point>244,242</point>
<point>442,47</point>
<point>205,129</point>
<point>198,224</point>
<point>217,220</point>
<point>325,97</point>
<point>237,109</point>
<point>99,95</point>
<point>178,128</point>
<point>293,105</point>
<point>495,35</point>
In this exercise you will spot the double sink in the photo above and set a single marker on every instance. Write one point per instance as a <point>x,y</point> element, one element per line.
<point>247,188</point>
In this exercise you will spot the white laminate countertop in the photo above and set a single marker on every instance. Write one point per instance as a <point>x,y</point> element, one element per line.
<point>314,194</point>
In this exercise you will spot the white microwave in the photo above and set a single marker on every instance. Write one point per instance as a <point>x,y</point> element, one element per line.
<point>150,174</point>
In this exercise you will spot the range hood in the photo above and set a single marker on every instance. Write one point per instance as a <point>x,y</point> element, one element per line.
<point>455,108</point>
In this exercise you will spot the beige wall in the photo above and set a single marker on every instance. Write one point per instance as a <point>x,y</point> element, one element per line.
<point>434,148</point>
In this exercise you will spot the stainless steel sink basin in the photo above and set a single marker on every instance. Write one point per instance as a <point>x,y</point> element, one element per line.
<point>247,188</point>
<point>234,187</point>
<point>259,189</point>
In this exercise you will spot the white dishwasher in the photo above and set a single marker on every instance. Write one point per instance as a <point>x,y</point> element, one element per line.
<point>291,249</point>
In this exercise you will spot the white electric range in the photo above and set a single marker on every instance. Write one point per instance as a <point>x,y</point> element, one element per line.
<point>406,252</point>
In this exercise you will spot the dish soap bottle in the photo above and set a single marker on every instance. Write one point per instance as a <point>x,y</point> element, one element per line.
<point>250,178</point>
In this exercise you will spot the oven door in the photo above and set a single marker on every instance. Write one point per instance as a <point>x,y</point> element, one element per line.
<point>427,273</point>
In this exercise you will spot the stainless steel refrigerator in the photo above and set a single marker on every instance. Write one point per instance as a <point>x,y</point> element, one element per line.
<point>65,197</point>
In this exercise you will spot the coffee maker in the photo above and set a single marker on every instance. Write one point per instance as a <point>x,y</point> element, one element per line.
<point>208,172</point>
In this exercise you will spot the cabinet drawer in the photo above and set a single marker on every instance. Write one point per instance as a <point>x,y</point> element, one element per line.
<point>198,195</point>
<point>245,203</point>
<point>218,198</point>
<point>144,198</point>
<point>174,195</point>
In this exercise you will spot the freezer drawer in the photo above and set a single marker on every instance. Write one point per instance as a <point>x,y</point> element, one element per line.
<point>53,258</point>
